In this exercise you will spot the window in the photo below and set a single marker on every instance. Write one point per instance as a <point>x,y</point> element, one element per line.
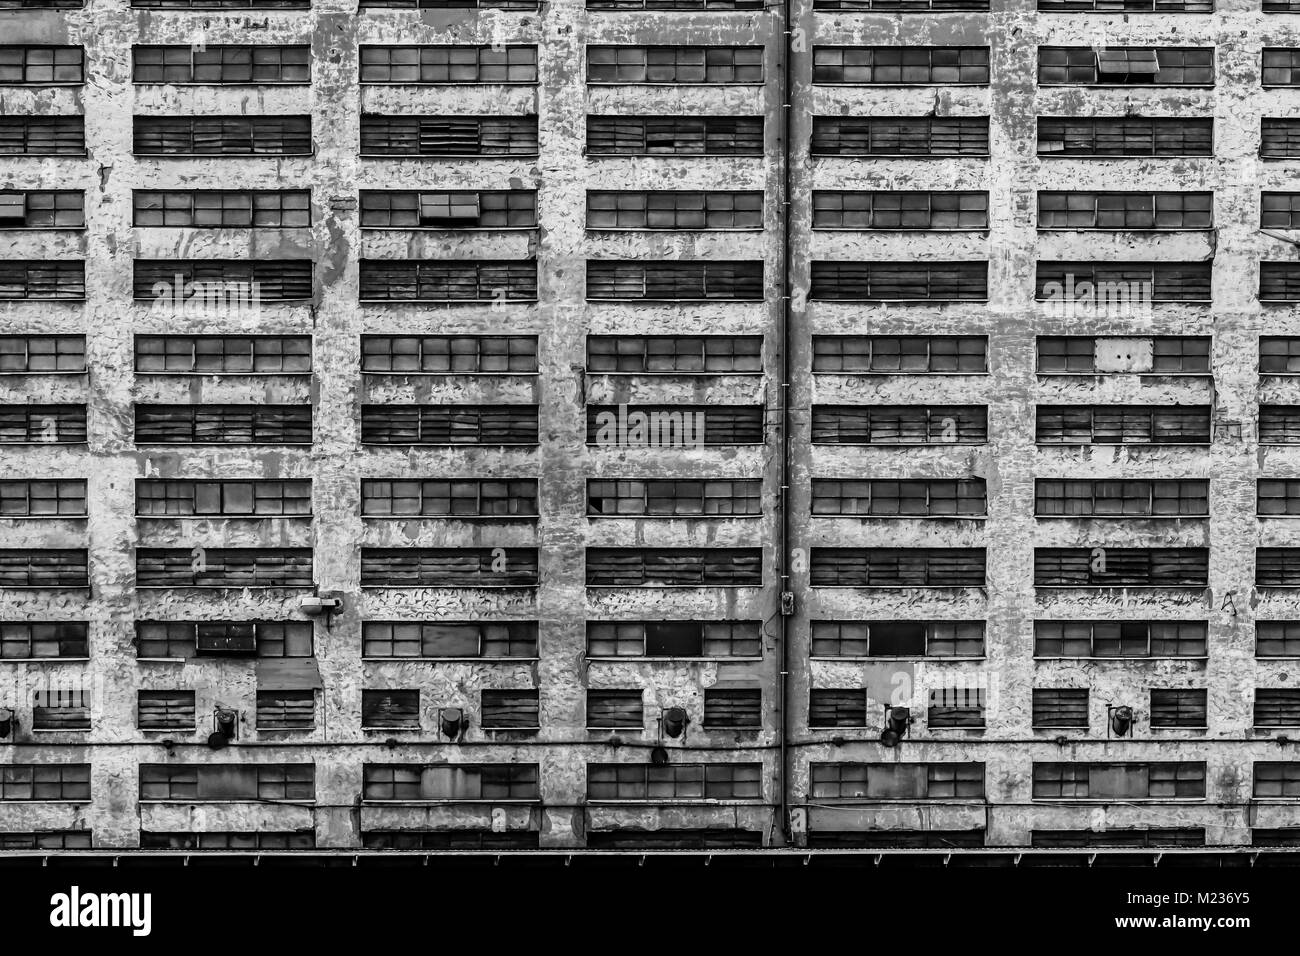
<point>616,498</point>
<point>220,4</point>
<point>223,354</point>
<point>728,708</point>
<point>897,567</point>
<point>674,64</point>
<point>439,209</point>
<point>837,708</point>
<point>242,65</point>
<point>1119,781</point>
<point>1102,567</point>
<point>674,426</point>
<point>666,281</point>
<point>1060,708</point>
<point>897,638</point>
<point>1277,707</point>
<point>35,640</point>
<point>448,280</point>
<point>1166,66</point>
<point>674,567</point>
<point>223,424</point>
<point>1279,282</point>
<point>42,424</point>
<point>280,135</point>
<point>182,639</point>
<point>643,354</point>
<point>41,4</point>
<point>680,781</point>
<point>894,354</point>
<point>1278,355</point>
<point>902,6</point>
<point>1276,778</point>
<point>900,136</point>
<point>223,208</point>
<point>390,709</point>
<point>1099,136</point>
<point>1125,210</point>
<point>68,782</point>
<point>899,424</point>
<point>61,709</point>
<point>1184,707</point>
<point>901,65</point>
<point>1279,138</point>
<point>42,209</point>
<point>955,707</point>
<point>1092,355</point>
<point>1281,67</point>
<point>286,710</point>
<point>46,839</point>
<point>702,5</point>
<point>165,710</point>
<point>896,838</point>
<point>1276,498</point>
<point>1174,498</point>
<point>1280,836</point>
<point>41,65</point>
<point>915,209</point>
<point>673,639</point>
<point>884,497</point>
<point>169,499</point>
<point>615,710</point>
<point>509,710</point>
<point>1277,211</point>
<point>1123,287</point>
<point>674,209</point>
<point>629,838</point>
<point>1105,639</point>
<point>227,781</point>
<point>1135,837</point>
<point>448,64</point>
<point>449,354</point>
<point>223,568</point>
<point>458,839</point>
<point>450,783</point>
<point>844,281</point>
<point>52,498</point>
<point>1123,425</point>
<point>237,280</point>
<point>448,567</point>
<point>459,640</point>
<point>44,568</point>
<point>449,424</point>
<point>448,136</point>
<point>450,4</point>
<point>42,353</point>
<point>221,840</point>
<point>42,136</point>
<point>870,782</point>
<point>460,498</point>
<point>42,280</point>
<point>1272,638</point>
<point>674,135</point>
<point>1129,6</point>
<point>1277,567</point>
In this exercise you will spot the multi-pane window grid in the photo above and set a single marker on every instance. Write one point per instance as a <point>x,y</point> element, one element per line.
<point>680,781</point>
<point>670,497</point>
<point>862,782</point>
<point>901,65</point>
<point>60,709</point>
<point>223,354</point>
<point>675,64</point>
<point>41,65</point>
<point>1122,425</point>
<point>448,280</point>
<point>42,136</point>
<point>675,209</point>
<point>165,710</point>
<point>42,209</point>
<point>899,425</point>
<point>457,640</point>
<point>291,710</point>
<point>674,567</point>
<point>42,424</point>
<point>230,498</point>
<point>509,710</point>
<point>917,209</point>
<point>448,567</point>
<point>914,136</point>
<point>609,709</point>
<point>223,208</point>
<point>1277,639</point>
<point>1165,66</point>
<point>34,640</point>
<point>1093,497</point>
<point>1100,567</point>
<point>48,279</point>
<point>1142,781</point>
<point>913,354</point>
<point>1120,639</point>
<point>450,783</point>
<point>449,64</point>
<point>1127,284</point>
<point>35,781</point>
<point>1125,210</point>
<point>236,64</point>
<point>669,281</point>
<point>251,782</point>
<point>897,639</point>
<point>898,567</point>
<point>48,498</point>
<point>241,282</point>
<point>673,639</point>
<point>1280,66</point>
<point>674,353</point>
<point>443,209</point>
<point>390,709</point>
<point>469,498</point>
<point>846,281</point>
<point>443,354</point>
<point>223,568</point>
<point>170,640</point>
<point>927,498</point>
<point>674,135</point>
<point>1060,708</point>
<point>727,708</point>
<point>1178,707</point>
<point>955,708</point>
<point>449,424</point>
<point>223,424</point>
<point>1127,136</point>
<point>448,136</point>
<point>279,135</point>
<point>1077,354</point>
<point>44,568</point>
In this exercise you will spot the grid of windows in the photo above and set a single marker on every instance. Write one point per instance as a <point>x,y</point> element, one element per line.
<point>674,567</point>
<point>836,209</point>
<point>294,782</point>
<point>674,209</point>
<point>901,354</point>
<point>467,498</point>
<point>1120,638</point>
<point>674,135</point>
<point>673,497</point>
<point>1101,567</point>
<point>42,209</point>
<point>210,63</point>
<point>1091,355</point>
<point>261,498</point>
<point>223,354</point>
<point>897,567</point>
<point>449,64</point>
<point>448,567</point>
<point>450,783</point>
<point>41,65</point>
<point>872,782</point>
<point>223,208</point>
<point>1122,425</point>
<point>461,640</point>
<point>52,498</point>
<point>670,782</point>
<point>882,497</point>
<point>901,65</point>
<point>449,424</point>
<point>42,136</point>
<point>223,567</point>
<point>675,64</point>
<point>673,639</point>
<point>899,281</point>
<point>899,425</point>
<point>644,354</point>
<point>897,638</point>
<point>448,280</point>
<point>1125,210</point>
<point>68,782</point>
<point>1112,66</point>
<point>1091,497</point>
<point>29,640</point>
<point>1172,780</point>
<point>280,135</point>
<point>448,136</point>
<point>443,209</point>
<point>171,640</point>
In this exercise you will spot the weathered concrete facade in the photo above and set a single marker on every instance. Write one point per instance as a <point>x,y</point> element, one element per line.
<point>563,814</point>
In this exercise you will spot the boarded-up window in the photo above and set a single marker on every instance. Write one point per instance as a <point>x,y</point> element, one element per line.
<point>1127,136</point>
<point>900,136</point>
<point>223,567</point>
<point>1060,707</point>
<point>165,710</point>
<point>829,707</point>
<point>674,567</point>
<point>43,568</point>
<point>899,424</point>
<point>1277,707</point>
<point>509,710</point>
<point>897,567</point>
<point>390,709</point>
<point>448,136</point>
<point>674,281</point>
<point>448,567</point>
<point>42,136</point>
<point>1121,567</point>
<point>1122,287</point>
<point>1277,567</point>
<point>286,710</point>
<point>889,281</point>
<point>223,424</point>
<point>253,782</point>
<point>42,424</point>
<point>956,707</point>
<point>1123,425</point>
<point>615,710</point>
<point>674,135</point>
<point>279,135</point>
<point>226,284</point>
<point>449,424</point>
<point>47,279</point>
<point>60,709</point>
<point>1182,707</point>
<point>448,280</point>
<point>674,426</point>
<point>738,708</point>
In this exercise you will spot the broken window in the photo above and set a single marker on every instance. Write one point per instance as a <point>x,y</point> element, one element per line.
<point>915,209</point>
<point>42,209</point>
<point>452,783</point>
<point>227,781</point>
<point>1109,639</point>
<point>837,708</point>
<point>674,567</point>
<point>1123,425</point>
<point>899,424</point>
<point>681,781</point>
<point>897,638</point>
<point>165,710</point>
<point>45,279</point>
<point>448,280</point>
<point>36,640</point>
<point>449,424</point>
<point>223,568</point>
<point>184,639</point>
<point>897,567</point>
<point>955,707</point>
<point>886,497</point>
<point>616,498</point>
<point>448,567</point>
<point>674,426</point>
<point>279,135</point>
<point>468,497</point>
<point>1125,210</point>
<point>1279,138</point>
<point>674,64</point>
<point>286,710</point>
<point>674,281</point>
<point>449,639</point>
<point>41,65</point>
<point>847,281</point>
<point>223,354</point>
<point>733,708</point>
<point>50,498</point>
<point>68,782</point>
<point>911,354</point>
<point>615,710</point>
<point>1165,66</point>
<point>448,136</point>
<point>674,353</point>
<point>438,209</point>
<point>41,4</point>
<point>674,209</point>
<point>900,136</point>
<point>673,639</point>
<point>1090,497</point>
<point>1277,778</point>
<point>897,781</point>
<point>1101,567</point>
<point>1060,707</point>
<point>223,208</point>
<point>60,709</point>
<point>674,135</point>
<point>222,283</point>
<point>449,64</point>
<point>1125,136</point>
<point>1182,707</point>
<point>44,568</point>
<point>221,64</point>
<point>901,65</point>
<point>223,424</point>
<point>449,354</point>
